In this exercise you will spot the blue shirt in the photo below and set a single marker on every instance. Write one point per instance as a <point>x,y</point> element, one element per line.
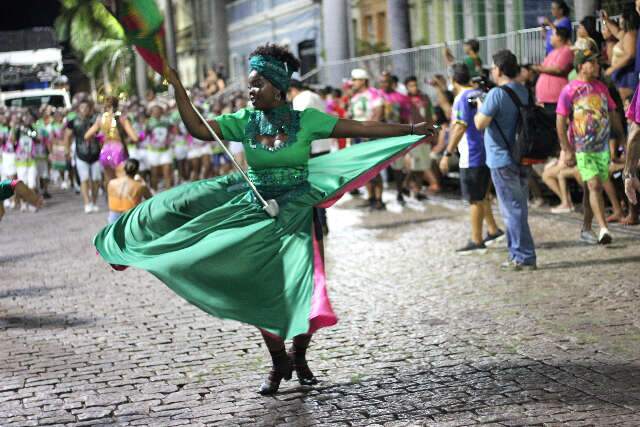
<point>504,112</point>
<point>471,146</point>
<point>559,23</point>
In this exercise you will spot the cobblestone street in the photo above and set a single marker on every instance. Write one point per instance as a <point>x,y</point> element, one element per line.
<point>425,337</point>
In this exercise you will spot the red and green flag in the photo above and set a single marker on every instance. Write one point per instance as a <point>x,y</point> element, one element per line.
<point>143,25</point>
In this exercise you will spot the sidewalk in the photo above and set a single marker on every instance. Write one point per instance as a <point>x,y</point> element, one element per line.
<point>425,337</point>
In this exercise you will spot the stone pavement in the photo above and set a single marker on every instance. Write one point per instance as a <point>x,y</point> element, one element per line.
<point>425,338</point>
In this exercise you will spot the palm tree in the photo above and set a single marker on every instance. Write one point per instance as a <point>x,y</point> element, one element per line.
<point>111,58</point>
<point>96,37</point>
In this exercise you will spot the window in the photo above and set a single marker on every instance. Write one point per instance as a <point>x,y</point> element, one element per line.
<point>368,34</point>
<point>381,27</point>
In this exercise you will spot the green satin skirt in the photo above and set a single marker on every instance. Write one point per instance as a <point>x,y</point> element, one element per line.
<point>211,242</point>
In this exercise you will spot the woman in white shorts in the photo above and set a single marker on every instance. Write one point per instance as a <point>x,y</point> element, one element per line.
<point>159,152</point>
<point>181,149</point>
<point>7,150</point>
<point>24,137</point>
<point>199,156</point>
<point>139,124</point>
<point>418,161</point>
<point>8,159</point>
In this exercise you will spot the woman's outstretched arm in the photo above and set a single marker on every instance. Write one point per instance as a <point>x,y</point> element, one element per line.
<point>346,128</point>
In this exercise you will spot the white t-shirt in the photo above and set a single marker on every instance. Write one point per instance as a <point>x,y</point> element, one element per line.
<point>307,99</point>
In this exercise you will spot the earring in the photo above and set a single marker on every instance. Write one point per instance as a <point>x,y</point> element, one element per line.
<point>278,96</point>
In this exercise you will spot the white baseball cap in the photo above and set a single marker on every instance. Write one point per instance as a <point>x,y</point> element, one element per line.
<point>359,74</point>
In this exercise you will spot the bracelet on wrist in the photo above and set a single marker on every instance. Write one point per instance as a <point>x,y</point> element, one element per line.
<point>413,129</point>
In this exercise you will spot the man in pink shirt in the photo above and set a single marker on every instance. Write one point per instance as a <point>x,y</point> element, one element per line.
<point>554,70</point>
<point>397,108</point>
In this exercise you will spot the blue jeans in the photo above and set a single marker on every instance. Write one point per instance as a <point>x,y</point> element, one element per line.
<point>512,188</point>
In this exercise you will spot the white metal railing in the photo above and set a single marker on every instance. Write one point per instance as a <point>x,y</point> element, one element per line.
<point>426,61</point>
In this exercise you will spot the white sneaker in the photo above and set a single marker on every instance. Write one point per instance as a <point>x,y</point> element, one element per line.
<point>562,209</point>
<point>64,185</point>
<point>95,208</point>
<point>87,209</point>
<point>23,207</point>
<point>32,209</point>
<point>604,237</point>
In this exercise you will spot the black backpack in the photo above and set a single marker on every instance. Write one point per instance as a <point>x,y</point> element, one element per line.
<point>536,137</point>
<point>87,151</point>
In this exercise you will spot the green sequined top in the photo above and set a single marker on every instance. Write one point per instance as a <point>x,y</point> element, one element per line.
<point>285,163</point>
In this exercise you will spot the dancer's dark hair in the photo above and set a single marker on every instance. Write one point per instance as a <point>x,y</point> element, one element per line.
<point>281,53</point>
<point>112,101</point>
<point>131,167</point>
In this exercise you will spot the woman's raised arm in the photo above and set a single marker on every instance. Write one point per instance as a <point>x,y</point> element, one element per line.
<point>189,116</point>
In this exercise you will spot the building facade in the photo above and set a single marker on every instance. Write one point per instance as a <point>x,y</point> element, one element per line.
<point>295,23</point>
<point>201,38</point>
<point>438,21</point>
<point>370,26</point>
<point>222,33</point>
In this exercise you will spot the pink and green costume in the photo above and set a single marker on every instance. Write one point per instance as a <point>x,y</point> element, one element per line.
<point>211,242</point>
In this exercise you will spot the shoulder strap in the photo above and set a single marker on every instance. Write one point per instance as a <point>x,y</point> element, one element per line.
<point>514,97</point>
<point>506,141</point>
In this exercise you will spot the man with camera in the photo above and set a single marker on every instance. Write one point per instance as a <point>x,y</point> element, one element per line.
<point>498,115</point>
<point>474,174</point>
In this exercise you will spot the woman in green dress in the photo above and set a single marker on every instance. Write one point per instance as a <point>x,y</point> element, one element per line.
<point>212,243</point>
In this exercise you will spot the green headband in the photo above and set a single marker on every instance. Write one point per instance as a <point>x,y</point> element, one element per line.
<point>277,72</point>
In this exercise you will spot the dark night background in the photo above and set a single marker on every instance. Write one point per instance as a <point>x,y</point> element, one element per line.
<point>24,14</point>
<point>17,15</point>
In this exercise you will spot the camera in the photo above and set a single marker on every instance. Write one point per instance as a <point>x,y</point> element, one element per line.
<point>483,86</point>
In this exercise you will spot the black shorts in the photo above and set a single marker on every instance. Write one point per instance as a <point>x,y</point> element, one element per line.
<point>474,183</point>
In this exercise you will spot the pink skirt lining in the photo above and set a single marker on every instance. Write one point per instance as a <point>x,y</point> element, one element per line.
<point>322,315</point>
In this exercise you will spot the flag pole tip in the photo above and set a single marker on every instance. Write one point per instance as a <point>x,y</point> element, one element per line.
<point>272,208</point>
